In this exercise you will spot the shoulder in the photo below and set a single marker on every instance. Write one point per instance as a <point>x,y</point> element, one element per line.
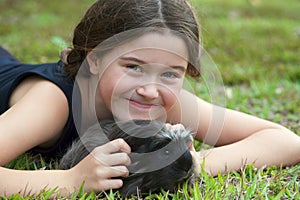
<point>35,85</point>
<point>39,111</point>
<point>39,93</point>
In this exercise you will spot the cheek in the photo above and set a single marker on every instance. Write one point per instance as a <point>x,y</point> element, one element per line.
<point>169,97</point>
<point>107,87</point>
<point>114,84</point>
<point>170,94</point>
<point>105,93</point>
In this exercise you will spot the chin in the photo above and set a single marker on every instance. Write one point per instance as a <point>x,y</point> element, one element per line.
<point>138,115</point>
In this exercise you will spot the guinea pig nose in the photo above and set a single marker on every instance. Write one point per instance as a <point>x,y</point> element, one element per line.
<point>186,161</point>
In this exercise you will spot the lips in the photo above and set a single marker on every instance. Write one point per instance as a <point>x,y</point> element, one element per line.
<point>140,104</point>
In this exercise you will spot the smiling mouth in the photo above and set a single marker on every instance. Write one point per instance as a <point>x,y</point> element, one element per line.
<point>140,105</point>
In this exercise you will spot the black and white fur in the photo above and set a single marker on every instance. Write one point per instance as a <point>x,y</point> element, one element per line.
<point>160,158</point>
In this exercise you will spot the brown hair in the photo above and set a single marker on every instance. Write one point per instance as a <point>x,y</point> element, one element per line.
<point>106,18</point>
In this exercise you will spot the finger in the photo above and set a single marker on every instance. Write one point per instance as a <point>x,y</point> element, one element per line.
<point>112,159</point>
<point>173,128</point>
<point>197,161</point>
<point>117,171</point>
<point>168,126</point>
<point>114,146</point>
<point>112,172</point>
<point>119,159</point>
<point>110,184</point>
<point>178,127</point>
<point>191,147</point>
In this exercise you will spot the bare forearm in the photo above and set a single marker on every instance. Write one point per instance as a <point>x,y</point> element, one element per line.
<point>267,147</point>
<point>33,182</point>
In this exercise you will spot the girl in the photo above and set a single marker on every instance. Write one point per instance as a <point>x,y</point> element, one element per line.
<point>128,61</point>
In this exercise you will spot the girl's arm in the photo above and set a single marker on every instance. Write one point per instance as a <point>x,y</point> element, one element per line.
<point>37,116</point>
<point>267,147</point>
<point>95,171</point>
<point>242,138</point>
<point>33,182</point>
<point>38,113</point>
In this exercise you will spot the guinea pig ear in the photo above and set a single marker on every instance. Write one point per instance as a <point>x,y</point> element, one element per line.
<point>92,61</point>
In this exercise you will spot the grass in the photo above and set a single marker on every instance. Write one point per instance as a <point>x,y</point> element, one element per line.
<point>255,45</point>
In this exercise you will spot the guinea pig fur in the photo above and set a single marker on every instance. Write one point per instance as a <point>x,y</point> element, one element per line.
<point>160,158</point>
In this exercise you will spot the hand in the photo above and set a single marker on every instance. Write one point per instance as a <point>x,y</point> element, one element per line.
<point>175,127</point>
<point>99,169</point>
<point>197,160</point>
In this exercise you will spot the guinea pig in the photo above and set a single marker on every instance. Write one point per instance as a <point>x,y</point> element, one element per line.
<point>160,157</point>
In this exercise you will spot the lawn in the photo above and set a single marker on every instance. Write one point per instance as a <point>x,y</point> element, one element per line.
<point>255,46</point>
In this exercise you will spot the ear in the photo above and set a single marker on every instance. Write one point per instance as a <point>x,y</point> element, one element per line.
<point>92,60</point>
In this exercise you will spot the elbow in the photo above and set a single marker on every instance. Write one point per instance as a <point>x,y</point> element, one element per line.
<point>294,148</point>
<point>295,151</point>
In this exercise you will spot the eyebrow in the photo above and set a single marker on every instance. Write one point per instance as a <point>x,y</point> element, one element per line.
<point>141,62</point>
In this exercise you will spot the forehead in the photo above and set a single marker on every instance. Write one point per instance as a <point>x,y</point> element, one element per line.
<point>167,42</point>
<point>152,47</point>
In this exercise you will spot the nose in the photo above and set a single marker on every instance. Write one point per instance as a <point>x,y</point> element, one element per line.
<point>149,91</point>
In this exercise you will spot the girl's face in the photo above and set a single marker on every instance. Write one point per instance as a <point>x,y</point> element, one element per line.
<point>142,78</point>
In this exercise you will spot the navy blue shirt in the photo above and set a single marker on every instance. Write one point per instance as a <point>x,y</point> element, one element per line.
<point>13,72</point>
